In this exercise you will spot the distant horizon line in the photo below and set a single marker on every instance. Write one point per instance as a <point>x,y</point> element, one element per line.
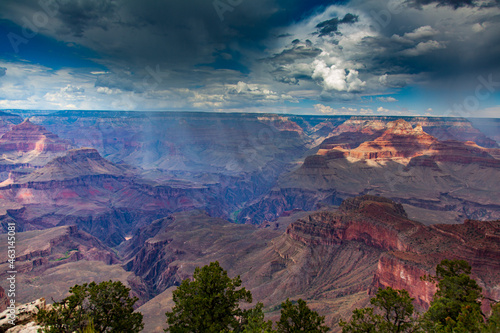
<point>53,111</point>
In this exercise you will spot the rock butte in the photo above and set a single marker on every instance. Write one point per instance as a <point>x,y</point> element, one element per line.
<point>27,137</point>
<point>395,160</point>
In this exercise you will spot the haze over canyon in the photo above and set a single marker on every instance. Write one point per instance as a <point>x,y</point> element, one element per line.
<point>324,208</point>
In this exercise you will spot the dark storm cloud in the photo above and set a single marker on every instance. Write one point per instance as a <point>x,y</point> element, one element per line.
<point>267,49</point>
<point>169,32</point>
<point>177,35</point>
<point>3,71</point>
<point>331,26</point>
<point>452,43</point>
<point>454,3</point>
<point>122,81</point>
<point>79,15</point>
<point>298,50</point>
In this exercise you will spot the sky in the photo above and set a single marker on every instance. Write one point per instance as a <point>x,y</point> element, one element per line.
<point>357,57</point>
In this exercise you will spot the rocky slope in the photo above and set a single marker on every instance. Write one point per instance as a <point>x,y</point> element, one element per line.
<point>333,259</point>
<point>455,179</point>
<point>25,318</point>
<point>49,262</point>
<point>29,145</point>
<point>488,126</point>
<point>410,248</point>
<point>104,199</point>
<point>458,129</point>
<point>166,251</point>
<point>272,264</point>
<point>28,136</point>
<point>474,241</point>
<point>40,250</point>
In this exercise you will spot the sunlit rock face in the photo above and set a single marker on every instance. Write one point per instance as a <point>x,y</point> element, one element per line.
<point>399,140</point>
<point>443,129</point>
<point>398,160</point>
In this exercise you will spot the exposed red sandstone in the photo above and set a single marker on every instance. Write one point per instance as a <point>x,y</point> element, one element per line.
<point>375,221</point>
<point>27,137</point>
<point>363,139</point>
<point>443,129</point>
<point>399,161</point>
<point>410,249</point>
<point>399,273</point>
<point>400,139</point>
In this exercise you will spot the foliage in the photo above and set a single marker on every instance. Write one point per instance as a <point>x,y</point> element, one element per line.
<point>493,323</point>
<point>393,313</point>
<point>397,310</point>
<point>299,318</point>
<point>362,321</point>
<point>209,303</point>
<point>456,306</point>
<point>90,328</point>
<point>254,321</point>
<point>108,304</point>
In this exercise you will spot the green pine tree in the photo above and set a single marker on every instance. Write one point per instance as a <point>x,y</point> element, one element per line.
<point>254,321</point>
<point>393,312</point>
<point>209,303</point>
<point>103,307</point>
<point>456,306</point>
<point>299,318</point>
<point>493,323</point>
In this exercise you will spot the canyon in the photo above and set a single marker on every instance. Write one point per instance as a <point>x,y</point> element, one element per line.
<point>394,160</point>
<point>328,209</point>
<point>335,259</point>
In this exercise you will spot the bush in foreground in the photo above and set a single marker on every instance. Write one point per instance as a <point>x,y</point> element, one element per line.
<point>103,307</point>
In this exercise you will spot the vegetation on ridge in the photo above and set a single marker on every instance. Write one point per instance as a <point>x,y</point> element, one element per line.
<point>103,307</point>
<point>210,303</point>
<point>456,307</point>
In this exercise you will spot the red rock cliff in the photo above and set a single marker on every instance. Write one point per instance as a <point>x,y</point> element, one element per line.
<point>27,137</point>
<point>410,249</point>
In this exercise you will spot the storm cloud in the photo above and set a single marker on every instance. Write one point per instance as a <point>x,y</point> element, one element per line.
<point>455,3</point>
<point>239,54</point>
<point>332,25</point>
